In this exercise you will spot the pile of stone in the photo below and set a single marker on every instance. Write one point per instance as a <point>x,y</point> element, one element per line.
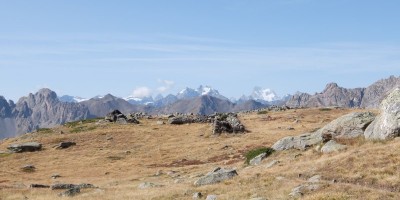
<point>227,123</point>
<point>117,117</point>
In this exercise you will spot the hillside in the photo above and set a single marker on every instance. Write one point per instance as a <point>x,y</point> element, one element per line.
<point>119,158</point>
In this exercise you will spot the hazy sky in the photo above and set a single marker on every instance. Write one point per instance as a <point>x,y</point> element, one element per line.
<point>93,47</point>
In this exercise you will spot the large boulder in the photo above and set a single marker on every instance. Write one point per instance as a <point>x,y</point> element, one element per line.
<point>114,116</point>
<point>332,146</point>
<point>387,123</point>
<point>216,176</point>
<point>348,126</point>
<point>300,142</point>
<point>180,120</point>
<point>25,147</point>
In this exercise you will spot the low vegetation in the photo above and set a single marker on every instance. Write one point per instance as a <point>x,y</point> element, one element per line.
<point>255,152</point>
<point>117,159</point>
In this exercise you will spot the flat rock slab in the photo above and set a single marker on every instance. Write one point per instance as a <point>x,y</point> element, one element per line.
<point>25,147</point>
<point>216,176</point>
<point>332,146</point>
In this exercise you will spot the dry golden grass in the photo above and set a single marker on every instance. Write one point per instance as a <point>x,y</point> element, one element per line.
<point>117,158</point>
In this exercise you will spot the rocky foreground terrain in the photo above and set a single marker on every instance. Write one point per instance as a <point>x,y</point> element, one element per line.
<point>314,153</point>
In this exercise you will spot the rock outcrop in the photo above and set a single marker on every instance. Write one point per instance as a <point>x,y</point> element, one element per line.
<point>387,123</point>
<point>25,147</point>
<point>348,126</point>
<point>227,123</point>
<point>216,176</point>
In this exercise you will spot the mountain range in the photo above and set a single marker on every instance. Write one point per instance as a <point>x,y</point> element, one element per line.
<point>45,109</point>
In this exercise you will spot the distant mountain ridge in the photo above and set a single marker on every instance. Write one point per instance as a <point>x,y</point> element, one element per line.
<point>333,95</point>
<point>45,109</point>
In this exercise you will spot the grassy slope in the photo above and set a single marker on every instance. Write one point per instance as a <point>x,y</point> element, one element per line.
<point>367,170</point>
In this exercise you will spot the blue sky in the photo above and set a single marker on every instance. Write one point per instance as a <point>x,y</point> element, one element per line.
<point>92,47</point>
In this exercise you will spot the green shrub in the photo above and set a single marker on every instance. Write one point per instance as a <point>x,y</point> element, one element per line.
<point>255,152</point>
<point>44,130</point>
<point>263,112</point>
<point>80,122</point>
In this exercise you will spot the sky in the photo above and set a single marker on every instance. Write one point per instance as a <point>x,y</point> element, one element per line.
<point>149,47</point>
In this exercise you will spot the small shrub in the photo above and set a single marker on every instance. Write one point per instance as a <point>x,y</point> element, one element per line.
<point>255,152</point>
<point>44,130</point>
<point>263,112</point>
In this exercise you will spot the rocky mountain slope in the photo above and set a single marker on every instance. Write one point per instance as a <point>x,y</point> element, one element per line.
<point>333,95</point>
<point>39,110</point>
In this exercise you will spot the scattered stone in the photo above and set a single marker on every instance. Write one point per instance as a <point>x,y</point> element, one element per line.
<point>64,145</point>
<point>114,116</point>
<point>180,120</point>
<point>387,123</point>
<point>159,173</point>
<point>290,128</point>
<point>272,163</point>
<point>55,176</point>
<point>257,160</point>
<point>197,195</point>
<point>314,179</point>
<point>28,168</point>
<point>25,147</point>
<point>70,192</point>
<point>121,121</point>
<point>109,138</point>
<point>39,186</point>
<point>332,146</point>
<point>216,176</point>
<point>160,123</point>
<point>146,185</point>
<point>311,185</point>
<point>258,198</point>
<point>64,186</point>
<point>211,197</point>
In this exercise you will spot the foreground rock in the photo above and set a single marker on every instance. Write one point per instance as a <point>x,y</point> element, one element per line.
<point>64,145</point>
<point>312,184</point>
<point>180,120</point>
<point>227,123</point>
<point>332,146</point>
<point>70,192</point>
<point>64,186</point>
<point>257,160</point>
<point>146,185</point>
<point>387,124</point>
<point>348,126</point>
<point>300,142</point>
<point>117,117</point>
<point>25,147</point>
<point>216,176</point>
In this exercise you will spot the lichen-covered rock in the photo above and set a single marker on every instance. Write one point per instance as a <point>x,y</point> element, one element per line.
<point>300,142</point>
<point>227,123</point>
<point>257,160</point>
<point>216,176</point>
<point>387,123</point>
<point>347,126</point>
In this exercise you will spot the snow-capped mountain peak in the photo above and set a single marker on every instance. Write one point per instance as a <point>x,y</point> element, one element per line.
<point>200,91</point>
<point>264,94</point>
<point>72,99</point>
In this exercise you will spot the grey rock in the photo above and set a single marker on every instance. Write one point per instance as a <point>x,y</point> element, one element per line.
<point>211,197</point>
<point>197,195</point>
<point>55,176</point>
<point>272,163</point>
<point>216,176</point>
<point>160,123</point>
<point>70,192</point>
<point>39,186</point>
<point>347,126</point>
<point>227,123</point>
<point>63,186</point>
<point>28,168</point>
<point>25,147</point>
<point>387,124</point>
<point>257,160</point>
<point>299,191</point>
<point>298,142</point>
<point>64,145</point>
<point>314,179</point>
<point>180,120</point>
<point>147,185</point>
<point>332,146</point>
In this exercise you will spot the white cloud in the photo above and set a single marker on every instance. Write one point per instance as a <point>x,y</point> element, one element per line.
<point>141,92</point>
<point>167,85</point>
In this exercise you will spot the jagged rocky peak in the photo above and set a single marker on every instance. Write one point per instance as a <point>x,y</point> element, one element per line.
<point>5,108</point>
<point>331,86</point>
